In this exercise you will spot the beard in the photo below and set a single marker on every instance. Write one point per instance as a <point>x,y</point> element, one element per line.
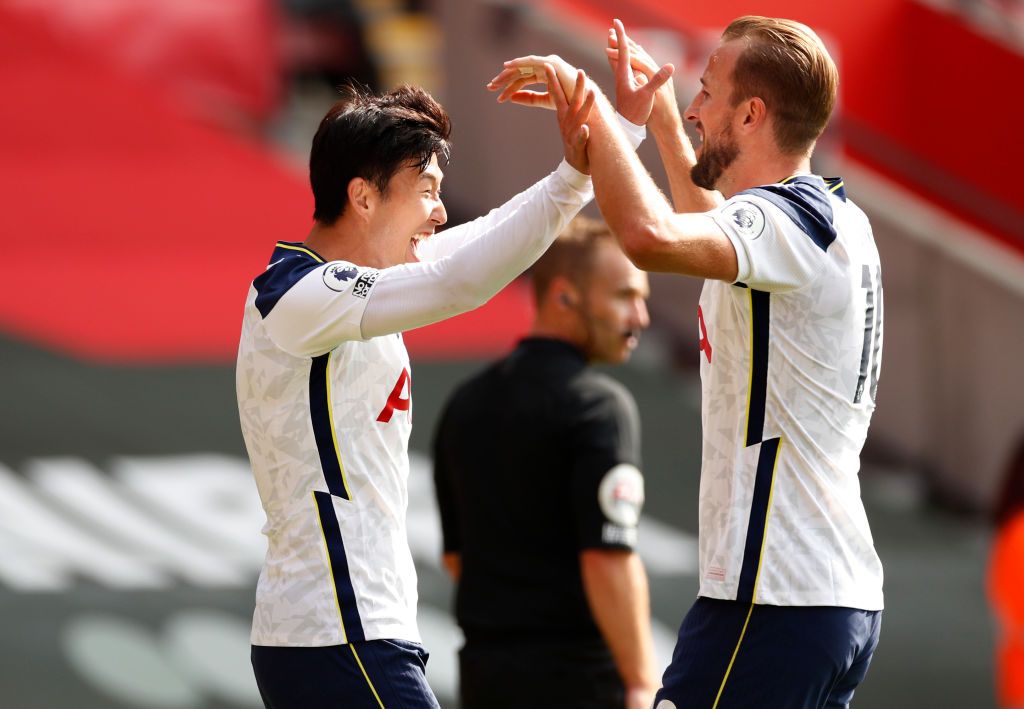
<point>715,158</point>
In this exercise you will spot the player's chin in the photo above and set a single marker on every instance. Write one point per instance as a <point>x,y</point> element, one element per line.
<point>620,354</point>
<point>630,343</point>
<point>411,256</point>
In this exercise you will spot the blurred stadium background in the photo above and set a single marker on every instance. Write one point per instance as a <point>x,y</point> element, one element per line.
<point>152,152</point>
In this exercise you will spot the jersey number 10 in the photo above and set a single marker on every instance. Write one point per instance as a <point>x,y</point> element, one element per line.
<point>871,351</point>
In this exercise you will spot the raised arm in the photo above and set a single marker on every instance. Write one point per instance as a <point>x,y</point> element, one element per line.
<point>311,308</point>
<point>652,234</point>
<point>665,123</point>
<point>417,294</point>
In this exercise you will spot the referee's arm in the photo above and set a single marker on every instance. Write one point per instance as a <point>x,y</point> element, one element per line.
<point>451,557</point>
<point>608,494</point>
<point>453,564</point>
<point>616,586</point>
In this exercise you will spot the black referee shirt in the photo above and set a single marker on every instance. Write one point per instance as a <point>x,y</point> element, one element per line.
<point>519,460</point>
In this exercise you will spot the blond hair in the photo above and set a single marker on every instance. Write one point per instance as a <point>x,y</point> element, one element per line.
<point>786,65</point>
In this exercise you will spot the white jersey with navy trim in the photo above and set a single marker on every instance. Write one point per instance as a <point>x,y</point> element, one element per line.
<point>790,357</point>
<point>326,409</point>
<point>327,437</point>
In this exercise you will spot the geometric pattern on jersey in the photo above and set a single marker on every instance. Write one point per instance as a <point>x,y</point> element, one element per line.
<point>785,406</point>
<point>331,476</point>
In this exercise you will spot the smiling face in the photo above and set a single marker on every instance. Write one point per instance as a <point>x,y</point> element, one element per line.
<point>410,210</point>
<point>613,306</point>
<point>712,111</point>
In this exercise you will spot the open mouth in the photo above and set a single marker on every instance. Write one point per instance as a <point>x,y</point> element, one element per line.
<point>414,243</point>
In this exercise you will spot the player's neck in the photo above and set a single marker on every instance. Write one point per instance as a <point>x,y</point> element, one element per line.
<point>553,326</point>
<point>346,241</point>
<point>745,174</point>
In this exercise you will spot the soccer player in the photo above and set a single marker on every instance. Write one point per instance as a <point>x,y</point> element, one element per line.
<point>324,388</point>
<point>536,471</point>
<point>790,323</point>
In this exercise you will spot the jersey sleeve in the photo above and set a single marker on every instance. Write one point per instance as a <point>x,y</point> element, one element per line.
<point>446,242</point>
<point>777,249</point>
<point>607,487</point>
<point>311,309</point>
<point>415,294</point>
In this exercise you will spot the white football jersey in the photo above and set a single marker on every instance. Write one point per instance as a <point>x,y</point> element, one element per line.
<point>328,437</point>
<point>790,357</point>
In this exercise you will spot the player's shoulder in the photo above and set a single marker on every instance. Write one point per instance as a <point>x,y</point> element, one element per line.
<point>290,263</point>
<point>804,204</point>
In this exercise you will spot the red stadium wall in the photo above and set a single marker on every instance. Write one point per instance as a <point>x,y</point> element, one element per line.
<point>131,229</point>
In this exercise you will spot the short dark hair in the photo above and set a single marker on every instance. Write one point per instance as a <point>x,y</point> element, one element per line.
<point>786,65</point>
<point>373,136</point>
<point>571,255</point>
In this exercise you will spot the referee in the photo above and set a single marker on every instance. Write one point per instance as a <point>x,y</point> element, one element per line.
<point>535,465</point>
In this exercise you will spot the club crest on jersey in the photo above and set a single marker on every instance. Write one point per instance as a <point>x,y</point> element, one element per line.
<point>621,495</point>
<point>337,276</point>
<point>747,218</point>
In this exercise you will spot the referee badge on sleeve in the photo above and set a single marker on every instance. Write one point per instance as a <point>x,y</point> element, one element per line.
<point>621,495</point>
<point>747,218</point>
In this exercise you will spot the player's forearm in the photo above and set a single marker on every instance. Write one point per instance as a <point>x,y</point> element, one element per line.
<point>630,202</point>
<point>617,591</point>
<point>678,158</point>
<point>654,237</point>
<point>447,241</point>
<point>453,564</point>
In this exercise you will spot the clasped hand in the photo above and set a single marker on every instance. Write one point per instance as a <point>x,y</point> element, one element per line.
<point>561,78</point>
<point>635,91</point>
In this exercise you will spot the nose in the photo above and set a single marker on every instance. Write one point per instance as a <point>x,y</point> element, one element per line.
<point>691,111</point>
<point>642,317</point>
<point>439,215</point>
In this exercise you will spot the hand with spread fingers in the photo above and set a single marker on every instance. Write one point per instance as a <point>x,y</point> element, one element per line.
<point>665,120</point>
<point>637,92</point>
<point>572,116</point>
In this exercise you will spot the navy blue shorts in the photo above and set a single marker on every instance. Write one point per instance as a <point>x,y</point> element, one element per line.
<point>362,675</point>
<point>731,654</point>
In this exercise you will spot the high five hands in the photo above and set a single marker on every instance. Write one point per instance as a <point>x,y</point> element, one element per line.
<point>636,92</point>
<point>637,80</point>
<point>560,78</point>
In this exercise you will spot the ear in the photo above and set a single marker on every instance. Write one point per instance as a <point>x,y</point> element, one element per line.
<point>564,293</point>
<point>755,114</point>
<point>362,197</point>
